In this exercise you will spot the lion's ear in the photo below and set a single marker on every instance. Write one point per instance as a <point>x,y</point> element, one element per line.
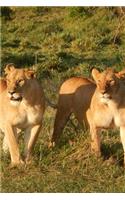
<point>95,73</point>
<point>30,73</point>
<point>8,68</point>
<point>120,74</point>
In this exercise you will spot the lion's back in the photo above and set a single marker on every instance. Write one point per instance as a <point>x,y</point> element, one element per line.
<point>71,85</point>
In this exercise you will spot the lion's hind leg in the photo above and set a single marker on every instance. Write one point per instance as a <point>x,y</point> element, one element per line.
<point>61,119</point>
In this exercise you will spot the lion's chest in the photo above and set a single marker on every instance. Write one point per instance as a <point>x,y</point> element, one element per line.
<point>104,118</point>
<point>118,114</point>
<point>26,116</point>
<point>33,115</point>
<point>120,118</point>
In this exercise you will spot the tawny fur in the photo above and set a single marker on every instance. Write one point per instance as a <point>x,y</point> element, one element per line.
<point>3,84</point>
<point>22,107</point>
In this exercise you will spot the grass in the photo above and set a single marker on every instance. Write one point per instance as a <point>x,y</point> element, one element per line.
<point>69,167</point>
<point>60,43</point>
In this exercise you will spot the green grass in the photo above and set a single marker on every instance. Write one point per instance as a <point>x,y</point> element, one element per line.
<point>60,43</point>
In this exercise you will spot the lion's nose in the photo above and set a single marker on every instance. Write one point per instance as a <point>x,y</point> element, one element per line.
<point>11,92</point>
<point>103,91</point>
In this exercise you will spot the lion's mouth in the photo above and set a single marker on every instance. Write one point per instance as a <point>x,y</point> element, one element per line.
<point>16,97</point>
<point>106,96</point>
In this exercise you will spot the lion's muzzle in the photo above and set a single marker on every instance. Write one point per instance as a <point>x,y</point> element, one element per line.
<point>14,96</point>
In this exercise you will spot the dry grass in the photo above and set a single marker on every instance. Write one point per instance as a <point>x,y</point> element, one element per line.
<point>69,167</point>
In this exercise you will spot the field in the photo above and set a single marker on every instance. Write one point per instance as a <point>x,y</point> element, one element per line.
<point>60,43</point>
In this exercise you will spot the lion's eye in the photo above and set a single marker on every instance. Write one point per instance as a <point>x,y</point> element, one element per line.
<point>111,81</point>
<point>20,82</point>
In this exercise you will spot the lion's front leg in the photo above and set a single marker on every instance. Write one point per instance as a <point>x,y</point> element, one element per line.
<point>5,145</point>
<point>94,132</point>
<point>122,135</point>
<point>10,139</point>
<point>5,142</point>
<point>30,138</point>
<point>95,141</point>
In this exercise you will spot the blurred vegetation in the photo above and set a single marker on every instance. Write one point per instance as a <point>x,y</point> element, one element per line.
<point>64,38</point>
<point>60,42</point>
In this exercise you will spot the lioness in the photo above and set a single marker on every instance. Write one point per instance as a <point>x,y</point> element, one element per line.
<point>74,97</point>
<point>107,108</point>
<point>22,107</point>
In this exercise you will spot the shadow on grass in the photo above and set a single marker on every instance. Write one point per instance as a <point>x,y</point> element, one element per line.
<point>115,151</point>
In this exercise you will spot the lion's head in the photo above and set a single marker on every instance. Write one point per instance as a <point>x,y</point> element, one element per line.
<point>16,81</point>
<point>107,82</point>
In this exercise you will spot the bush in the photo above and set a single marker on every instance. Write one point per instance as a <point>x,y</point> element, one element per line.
<point>6,13</point>
<point>41,10</point>
<point>20,59</point>
<point>81,11</point>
